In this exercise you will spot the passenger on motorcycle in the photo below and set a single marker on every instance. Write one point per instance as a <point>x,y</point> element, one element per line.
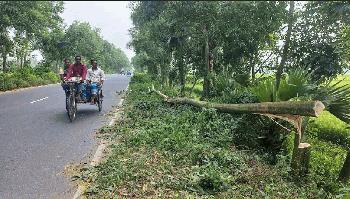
<point>95,78</point>
<point>63,74</point>
<point>78,70</point>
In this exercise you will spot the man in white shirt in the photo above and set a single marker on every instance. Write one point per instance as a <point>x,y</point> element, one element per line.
<point>95,78</point>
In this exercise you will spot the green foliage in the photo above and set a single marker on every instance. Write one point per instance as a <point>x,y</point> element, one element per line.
<point>265,90</point>
<point>26,77</point>
<point>336,98</point>
<point>316,42</point>
<point>169,37</point>
<point>82,39</point>
<point>295,83</point>
<point>329,128</point>
<point>169,151</point>
<point>29,20</point>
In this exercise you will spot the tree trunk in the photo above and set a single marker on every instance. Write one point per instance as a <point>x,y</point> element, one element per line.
<point>305,153</point>
<point>206,82</point>
<point>312,108</point>
<point>303,128</point>
<point>58,66</point>
<point>300,163</point>
<point>303,108</point>
<point>25,60</point>
<point>286,45</point>
<point>4,61</point>
<point>194,84</point>
<point>344,174</point>
<point>21,60</point>
<point>164,71</point>
<point>182,73</point>
<point>252,69</point>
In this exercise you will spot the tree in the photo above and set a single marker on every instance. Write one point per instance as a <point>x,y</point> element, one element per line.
<point>286,44</point>
<point>30,19</point>
<point>316,43</point>
<point>82,39</point>
<point>52,49</point>
<point>210,37</point>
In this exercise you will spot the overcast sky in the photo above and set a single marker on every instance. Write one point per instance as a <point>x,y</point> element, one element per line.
<point>112,17</point>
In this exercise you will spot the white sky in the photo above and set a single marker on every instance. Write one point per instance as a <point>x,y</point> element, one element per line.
<point>112,17</point>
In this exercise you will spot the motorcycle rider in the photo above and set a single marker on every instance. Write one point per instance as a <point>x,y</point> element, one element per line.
<point>78,69</point>
<point>95,78</point>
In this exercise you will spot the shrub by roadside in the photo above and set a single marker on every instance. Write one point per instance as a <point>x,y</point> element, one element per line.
<point>26,77</point>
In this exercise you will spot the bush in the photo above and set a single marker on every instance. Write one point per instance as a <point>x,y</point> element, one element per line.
<point>21,83</point>
<point>330,129</point>
<point>51,77</point>
<point>26,77</point>
<point>42,69</point>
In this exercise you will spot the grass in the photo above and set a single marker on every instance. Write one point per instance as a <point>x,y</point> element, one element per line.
<point>165,151</point>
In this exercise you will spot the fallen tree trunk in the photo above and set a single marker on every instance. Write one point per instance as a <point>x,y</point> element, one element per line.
<point>302,108</point>
<point>291,111</point>
<point>308,108</point>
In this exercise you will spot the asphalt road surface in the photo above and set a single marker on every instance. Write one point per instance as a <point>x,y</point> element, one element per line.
<point>37,140</point>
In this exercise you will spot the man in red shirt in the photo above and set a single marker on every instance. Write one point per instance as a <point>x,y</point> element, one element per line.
<point>77,70</point>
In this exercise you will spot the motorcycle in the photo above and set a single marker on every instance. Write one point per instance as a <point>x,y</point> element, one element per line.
<point>71,101</point>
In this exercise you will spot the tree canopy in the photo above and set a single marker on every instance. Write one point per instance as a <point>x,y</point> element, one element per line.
<point>37,25</point>
<point>237,40</point>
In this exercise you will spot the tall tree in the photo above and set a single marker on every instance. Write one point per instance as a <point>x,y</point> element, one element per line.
<point>29,18</point>
<point>316,43</point>
<point>286,44</point>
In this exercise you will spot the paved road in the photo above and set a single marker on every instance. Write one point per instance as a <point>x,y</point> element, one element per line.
<point>37,140</point>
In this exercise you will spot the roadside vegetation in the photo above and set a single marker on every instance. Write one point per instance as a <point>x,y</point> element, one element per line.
<point>27,77</point>
<point>232,53</point>
<point>177,151</point>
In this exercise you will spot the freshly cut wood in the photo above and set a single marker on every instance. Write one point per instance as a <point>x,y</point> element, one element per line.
<point>302,108</point>
<point>305,153</point>
<point>301,160</point>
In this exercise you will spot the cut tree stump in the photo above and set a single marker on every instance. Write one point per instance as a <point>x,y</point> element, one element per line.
<point>305,154</point>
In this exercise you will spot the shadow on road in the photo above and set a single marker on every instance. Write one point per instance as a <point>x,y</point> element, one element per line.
<point>83,113</point>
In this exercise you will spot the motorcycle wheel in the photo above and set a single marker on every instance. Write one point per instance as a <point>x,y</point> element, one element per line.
<point>72,108</point>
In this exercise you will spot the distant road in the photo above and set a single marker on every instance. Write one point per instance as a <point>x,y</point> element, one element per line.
<point>37,140</point>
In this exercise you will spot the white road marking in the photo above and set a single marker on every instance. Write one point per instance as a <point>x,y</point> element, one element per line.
<point>39,100</point>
